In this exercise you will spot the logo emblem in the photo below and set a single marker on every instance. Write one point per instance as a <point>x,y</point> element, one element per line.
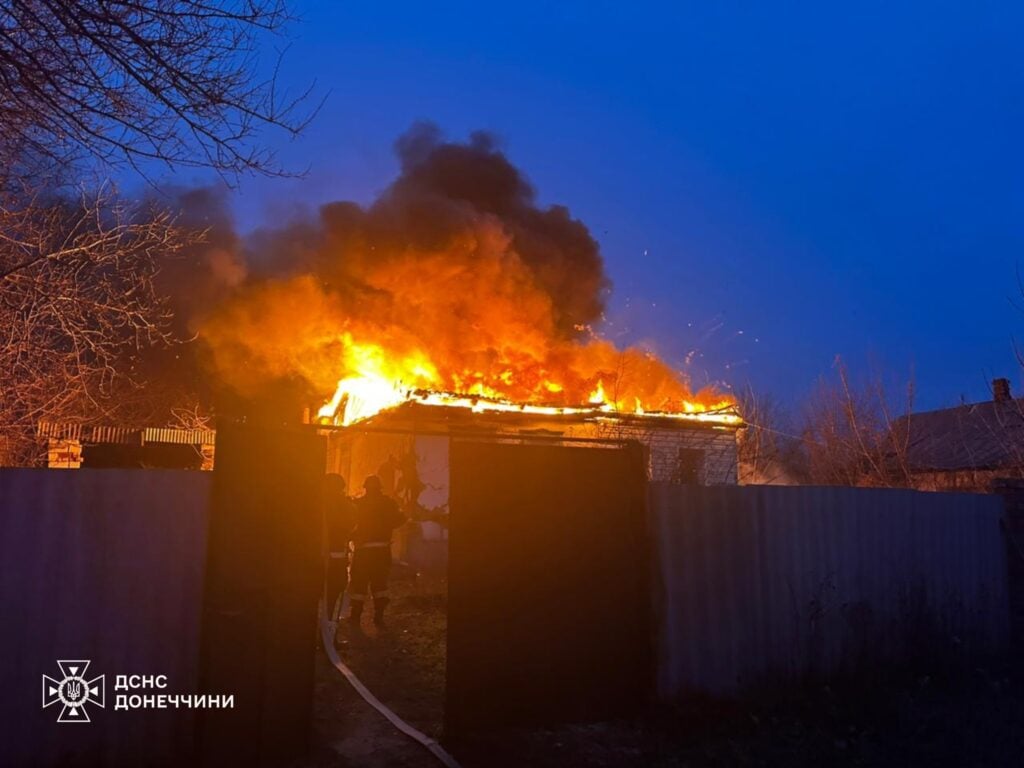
<point>74,691</point>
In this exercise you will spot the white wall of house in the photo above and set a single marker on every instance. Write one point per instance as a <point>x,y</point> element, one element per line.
<point>674,453</point>
<point>666,446</point>
<point>671,451</point>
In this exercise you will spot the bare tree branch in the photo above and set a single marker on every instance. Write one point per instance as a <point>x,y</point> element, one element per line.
<point>76,300</point>
<point>851,438</point>
<point>123,82</point>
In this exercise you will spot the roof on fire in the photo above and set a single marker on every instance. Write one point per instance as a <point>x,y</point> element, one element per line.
<point>416,414</point>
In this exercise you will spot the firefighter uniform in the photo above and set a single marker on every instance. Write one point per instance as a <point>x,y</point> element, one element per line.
<point>376,517</point>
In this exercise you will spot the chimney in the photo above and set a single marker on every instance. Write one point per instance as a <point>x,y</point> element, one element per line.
<point>1001,390</point>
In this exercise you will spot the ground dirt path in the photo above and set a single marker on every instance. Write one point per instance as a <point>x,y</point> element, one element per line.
<point>349,732</point>
<point>402,664</point>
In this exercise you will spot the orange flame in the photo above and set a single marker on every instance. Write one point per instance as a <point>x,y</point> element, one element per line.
<point>379,381</point>
<point>453,288</point>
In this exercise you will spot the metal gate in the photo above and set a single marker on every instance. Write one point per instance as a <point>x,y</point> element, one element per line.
<point>549,591</point>
<point>263,581</point>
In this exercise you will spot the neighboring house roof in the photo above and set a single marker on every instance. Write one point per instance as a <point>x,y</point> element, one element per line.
<point>987,435</point>
<point>96,434</point>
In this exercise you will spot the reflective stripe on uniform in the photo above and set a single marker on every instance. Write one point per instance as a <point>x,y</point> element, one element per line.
<point>371,544</point>
<point>360,598</point>
<point>339,555</point>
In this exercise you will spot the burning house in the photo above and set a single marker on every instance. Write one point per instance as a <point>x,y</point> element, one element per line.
<point>408,446</point>
<point>455,304</point>
<point>452,304</point>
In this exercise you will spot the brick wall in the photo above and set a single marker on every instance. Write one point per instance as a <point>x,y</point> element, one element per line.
<point>675,453</point>
<point>666,449</point>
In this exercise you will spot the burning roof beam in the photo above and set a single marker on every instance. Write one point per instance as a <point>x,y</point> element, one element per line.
<point>351,406</point>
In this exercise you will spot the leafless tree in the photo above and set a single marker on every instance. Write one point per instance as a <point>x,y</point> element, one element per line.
<point>76,299</point>
<point>853,435</point>
<point>130,82</point>
<point>767,453</point>
<point>87,87</point>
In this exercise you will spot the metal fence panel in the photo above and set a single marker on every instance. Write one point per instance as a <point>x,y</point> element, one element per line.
<point>105,566</point>
<point>765,582</point>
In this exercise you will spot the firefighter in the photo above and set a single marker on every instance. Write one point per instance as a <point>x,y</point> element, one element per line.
<point>376,517</point>
<point>339,518</point>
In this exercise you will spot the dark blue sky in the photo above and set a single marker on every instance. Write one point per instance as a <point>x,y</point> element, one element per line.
<point>772,184</point>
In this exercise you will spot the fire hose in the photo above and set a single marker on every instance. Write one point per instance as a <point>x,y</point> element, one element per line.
<point>416,735</point>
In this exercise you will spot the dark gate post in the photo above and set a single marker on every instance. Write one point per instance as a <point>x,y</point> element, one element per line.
<point>1012,492</point>
<point>263,575</point>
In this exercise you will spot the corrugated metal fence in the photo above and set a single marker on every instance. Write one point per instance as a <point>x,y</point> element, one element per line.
<point>766,583</point>
<point>104,565</point>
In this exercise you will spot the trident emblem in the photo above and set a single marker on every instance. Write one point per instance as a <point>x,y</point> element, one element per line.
<point>74,691</point>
